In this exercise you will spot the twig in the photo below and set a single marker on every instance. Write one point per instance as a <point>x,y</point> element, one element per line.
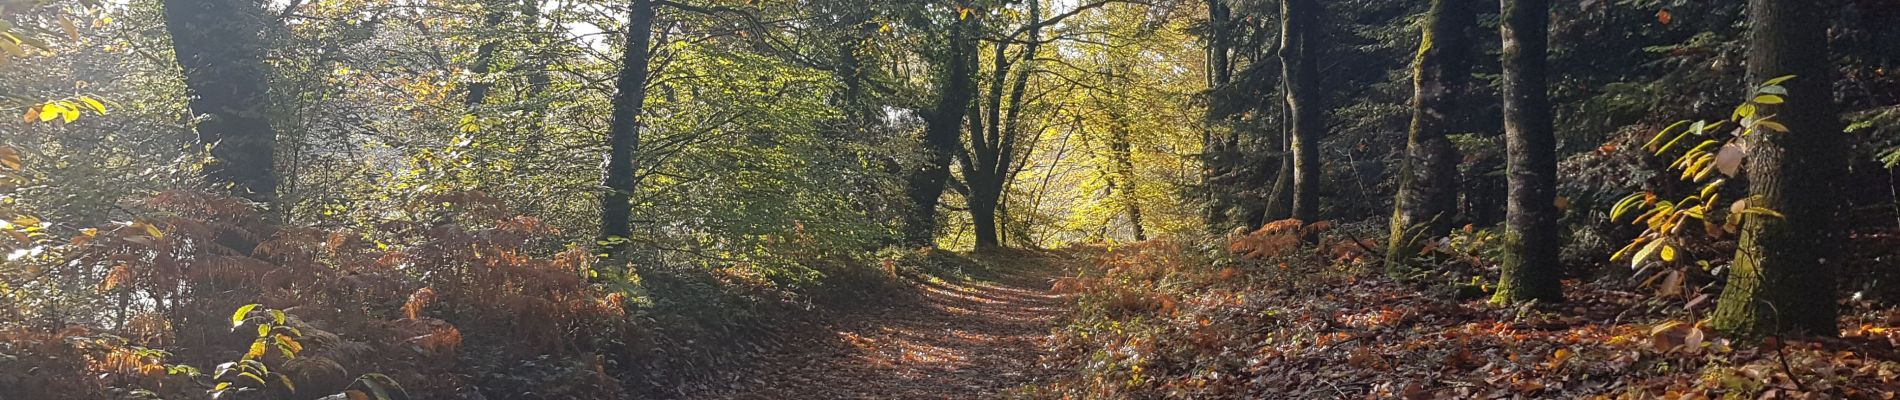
<point>1362,246</point>
<point>1785,367</point>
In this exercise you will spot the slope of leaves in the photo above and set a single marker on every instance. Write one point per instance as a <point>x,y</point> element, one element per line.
<point>1166,320</point>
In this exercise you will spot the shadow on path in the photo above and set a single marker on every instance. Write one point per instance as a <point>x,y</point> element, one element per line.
<point>972,339</point>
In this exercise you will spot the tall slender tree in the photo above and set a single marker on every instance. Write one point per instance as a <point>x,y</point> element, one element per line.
<point>1121,154</point>
<point>538,80</point>
<point>1214,135</point>
<point>1530,270</point>
<point>1279,204</point>
<point>1428,180</point>
<point>1124,159</point>
<point>623,131</point>
<point>1301,43</point>
<point>218,45</point>
<point>1782,280</point>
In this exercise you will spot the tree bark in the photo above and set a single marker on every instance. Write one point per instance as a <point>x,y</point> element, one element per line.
<point>1280,199</point>
<point>219,48</point>
<point>1301,43</point>
<point>1428,181</point>
<point>623,133</point>
<point>1220,71</point>
<point>943,128</point>
<point>1782,281</point>
<point>1124,159</point>
<point>993,139</point>
<point>1531,269</point>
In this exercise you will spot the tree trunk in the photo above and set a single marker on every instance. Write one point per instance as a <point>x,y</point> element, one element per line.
<point>484,59</point>
<point>943,128</point>
<point>1782,281</point>
<point>1531,242</point>
<point>1300,45</point>
<point>983,216</point>
<point>993,136</point>
<point>1428,182</point>
<point>1486,197</point>
<point>537,77</point>
<point>1123,153</point>
<point>623,135</point>
<point>218,47</point>
<point>1280,199</point>
<point>1220,71</point>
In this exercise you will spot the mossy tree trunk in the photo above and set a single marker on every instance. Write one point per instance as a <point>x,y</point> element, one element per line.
<point>1428,181</point>
<point>1531,270</point>
<point>1782,281</point>
<point>219,48</point>
<point>1301,43</point>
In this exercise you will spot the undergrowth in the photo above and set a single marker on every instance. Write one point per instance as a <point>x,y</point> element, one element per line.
<point>476,300</point>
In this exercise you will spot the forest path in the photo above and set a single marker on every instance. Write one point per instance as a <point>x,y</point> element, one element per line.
<point>954,339</point>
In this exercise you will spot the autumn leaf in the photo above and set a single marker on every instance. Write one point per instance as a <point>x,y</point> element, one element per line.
<point>10,158</point>
<point>1556,360</point>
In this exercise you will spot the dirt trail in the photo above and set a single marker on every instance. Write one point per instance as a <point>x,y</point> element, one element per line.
<point>956,340</point>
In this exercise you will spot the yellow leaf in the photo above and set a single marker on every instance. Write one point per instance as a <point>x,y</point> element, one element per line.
<point>1743,111</point>
<point>1763,211</point>
<point>1669,253</point>
<point>237,318</point>
<point>50,111</point>
<point>1643,255</point>
<point>1768,99</point>
<point>1772,125</point>
<point>94,103</point>
<point>1618,255</point>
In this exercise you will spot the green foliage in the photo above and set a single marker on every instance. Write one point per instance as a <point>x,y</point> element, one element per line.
<point>1709,154</point>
